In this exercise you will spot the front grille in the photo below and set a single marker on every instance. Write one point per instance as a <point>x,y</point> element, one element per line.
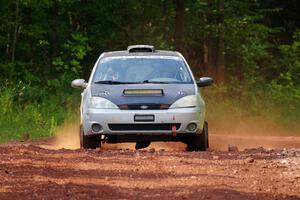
<point>144,106</point>
<point>143,127</point>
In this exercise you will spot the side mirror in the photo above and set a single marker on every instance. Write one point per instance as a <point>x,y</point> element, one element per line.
<point>79,83</point>
<point>205,81</point>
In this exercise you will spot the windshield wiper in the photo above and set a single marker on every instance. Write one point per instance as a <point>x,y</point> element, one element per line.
<point>158,82</point>
<point>111,82</point>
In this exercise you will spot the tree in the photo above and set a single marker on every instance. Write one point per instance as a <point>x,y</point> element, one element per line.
<point>179,20</point>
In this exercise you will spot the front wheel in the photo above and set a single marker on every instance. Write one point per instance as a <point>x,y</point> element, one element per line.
<point>88,142</point>
<point>141,145</point>
<point>199,142</point>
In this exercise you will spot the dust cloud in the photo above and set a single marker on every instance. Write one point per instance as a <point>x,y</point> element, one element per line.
<point>67,136</point>
<point>251,132</point>
<point>244,133</point>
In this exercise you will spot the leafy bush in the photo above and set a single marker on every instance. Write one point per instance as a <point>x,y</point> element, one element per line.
<point>27,110</point>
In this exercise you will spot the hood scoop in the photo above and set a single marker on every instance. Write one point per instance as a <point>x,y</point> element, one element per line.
<point>143,92</point>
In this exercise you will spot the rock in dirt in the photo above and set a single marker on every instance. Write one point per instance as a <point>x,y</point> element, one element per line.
<point>152,150</point>
<point>261,150</point>
<point>25,136</point>
<point>215,157</point>
<point>249,160</point>
<point>232,148</point>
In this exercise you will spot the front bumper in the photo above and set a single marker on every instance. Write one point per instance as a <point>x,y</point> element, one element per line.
<point>104,117</point>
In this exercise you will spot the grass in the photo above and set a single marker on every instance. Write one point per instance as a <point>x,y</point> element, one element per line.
<point>36,119</point>
<point>253,111</point>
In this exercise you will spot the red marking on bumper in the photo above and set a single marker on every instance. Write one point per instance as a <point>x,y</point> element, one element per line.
<point>174,130</point>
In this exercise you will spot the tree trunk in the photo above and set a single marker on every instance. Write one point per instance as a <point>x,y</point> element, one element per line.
<point>179,18</point>
<point>165,28</point>
<point>209,46</point>
<point>7,51</point>
<point>54,41</point>
<point>214,45</point>
<point>15,35</point>
<point>211,57</point>
<point>220,47</point>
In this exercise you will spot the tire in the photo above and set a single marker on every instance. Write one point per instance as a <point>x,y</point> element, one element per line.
<point>141,145</point>
<point>199,142</point>
<point>88,142</point>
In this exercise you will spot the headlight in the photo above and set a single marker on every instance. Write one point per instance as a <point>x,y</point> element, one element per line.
<point>187,101</point>
<point>99,102</point>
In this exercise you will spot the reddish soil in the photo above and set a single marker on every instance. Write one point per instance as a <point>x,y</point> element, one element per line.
<point>28,171</point>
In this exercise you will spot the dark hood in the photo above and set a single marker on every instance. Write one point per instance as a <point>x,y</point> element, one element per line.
<point>114,93</point>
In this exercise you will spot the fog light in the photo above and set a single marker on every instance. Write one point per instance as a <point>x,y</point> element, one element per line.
<point>192,127</point>
<point>96,128</point>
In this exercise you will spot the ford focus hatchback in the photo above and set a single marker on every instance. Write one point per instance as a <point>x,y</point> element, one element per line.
<point>142,95</point>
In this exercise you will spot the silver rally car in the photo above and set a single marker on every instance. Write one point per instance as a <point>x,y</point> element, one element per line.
<point>142,95</point>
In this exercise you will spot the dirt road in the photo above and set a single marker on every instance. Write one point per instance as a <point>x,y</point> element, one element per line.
<point>28,171</point>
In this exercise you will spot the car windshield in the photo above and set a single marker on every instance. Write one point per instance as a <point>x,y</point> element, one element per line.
<point>130,70</point>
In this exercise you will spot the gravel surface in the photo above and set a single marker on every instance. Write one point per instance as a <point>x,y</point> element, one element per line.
<point>28,171</point>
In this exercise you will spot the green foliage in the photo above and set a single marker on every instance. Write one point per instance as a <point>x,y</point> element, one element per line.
<point>289,61</point>
<point>68,63</point>
<point>38,118</point>
<point>250,109</point>
<point>286,87</point>
<point>45,44</point>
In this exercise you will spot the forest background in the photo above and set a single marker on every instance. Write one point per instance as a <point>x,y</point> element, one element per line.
<point>251,48</point>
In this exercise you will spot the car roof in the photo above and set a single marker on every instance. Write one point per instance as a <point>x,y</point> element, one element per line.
<point>127,53</point>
